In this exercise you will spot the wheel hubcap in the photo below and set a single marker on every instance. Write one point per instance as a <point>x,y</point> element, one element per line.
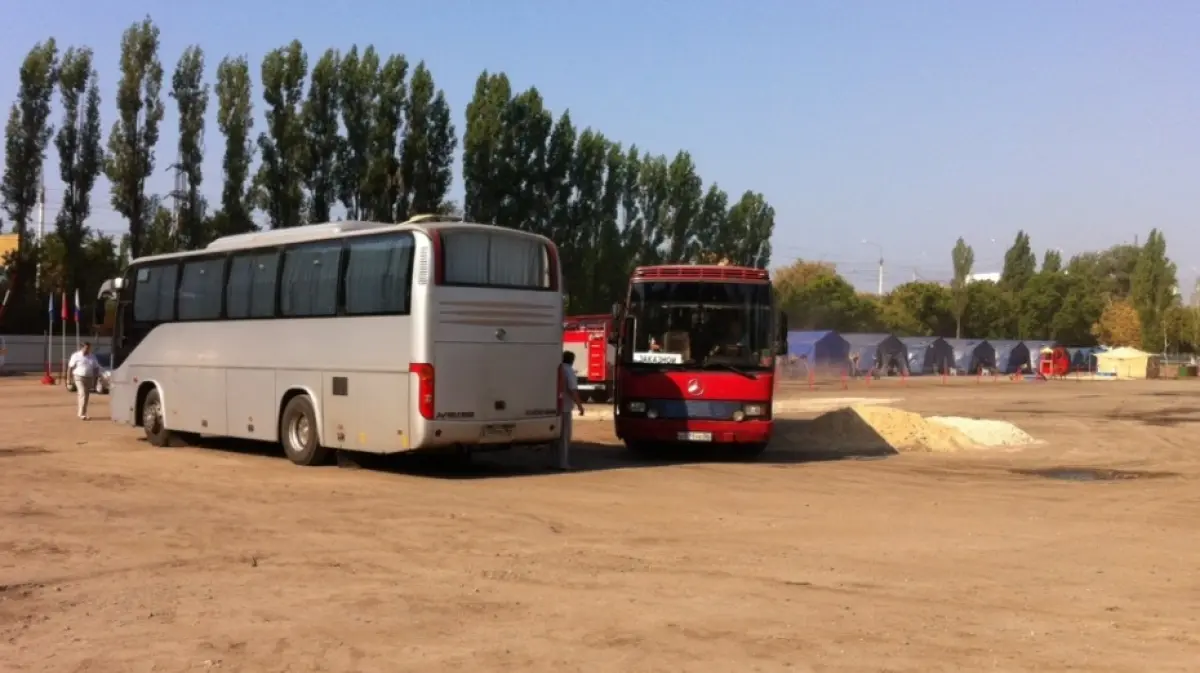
<point>301,433</point>
<point>153,420</point>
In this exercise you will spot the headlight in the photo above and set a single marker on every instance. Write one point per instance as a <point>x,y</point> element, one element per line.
<point>652,414</point>
<point>636,407</point>
<point>739,415</point>
<point>754,410</point>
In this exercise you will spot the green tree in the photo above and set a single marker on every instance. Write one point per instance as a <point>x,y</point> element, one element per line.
<point>918,308</point>
<point>80,156</point>
<point>654,192</point>
<point>359,77</point>
<point>191,96</point>
<point>557,189</point>
<point>321,133</point>
<point>1153,289</point>
<point>427,161</point>
<point>964,259</point>
<point>1052,261</point>
<point>714,237</point>
<point>520,158</point>
<point>685,190</point>
<point>236,120</point>
<point>131,142</point>
<point>1081,308</point>
<point>1019,264</point>
<point>1041,300</point>
<point>751,222</point>
<point>579,250</point>
<point>384,184</point>
<point>991,312</point>
<point>25,138</point>
<point>283,145</point>
<point>482,160</point>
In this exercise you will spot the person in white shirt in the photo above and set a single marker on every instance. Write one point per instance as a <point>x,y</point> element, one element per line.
<point>570,388</point>
<point>83,368</point>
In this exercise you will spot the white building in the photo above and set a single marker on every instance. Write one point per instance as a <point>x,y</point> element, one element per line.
<point>992,276</point>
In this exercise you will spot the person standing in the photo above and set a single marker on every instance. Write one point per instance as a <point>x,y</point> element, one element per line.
<point>570,388</point>
<point>84,368</point>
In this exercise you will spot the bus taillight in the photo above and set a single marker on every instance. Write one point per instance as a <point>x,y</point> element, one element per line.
<point>424,374</point>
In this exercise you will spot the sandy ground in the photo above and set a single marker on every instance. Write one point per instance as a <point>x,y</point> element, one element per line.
<point>116,556</point>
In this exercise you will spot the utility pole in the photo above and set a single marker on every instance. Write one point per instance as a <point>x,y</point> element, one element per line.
<point>880,288</point>
<point>177,195</point>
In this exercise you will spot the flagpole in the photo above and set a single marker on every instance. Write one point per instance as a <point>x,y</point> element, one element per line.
<point>63,346</point>
<point>47,378</point>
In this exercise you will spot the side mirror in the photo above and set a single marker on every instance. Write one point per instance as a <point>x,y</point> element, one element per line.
<point>616,311</point>
<point>781,344</point>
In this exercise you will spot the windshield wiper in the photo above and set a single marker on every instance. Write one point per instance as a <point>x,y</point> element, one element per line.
<point>732,368</point>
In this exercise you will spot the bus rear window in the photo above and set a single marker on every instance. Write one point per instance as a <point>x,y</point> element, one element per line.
<point>488,259</point>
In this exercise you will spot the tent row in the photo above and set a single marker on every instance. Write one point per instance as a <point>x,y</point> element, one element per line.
<point>889,354</point>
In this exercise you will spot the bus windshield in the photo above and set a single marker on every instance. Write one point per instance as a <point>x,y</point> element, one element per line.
<point>703,325</point>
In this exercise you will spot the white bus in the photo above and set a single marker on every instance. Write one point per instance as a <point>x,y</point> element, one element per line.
<point>381,338</point>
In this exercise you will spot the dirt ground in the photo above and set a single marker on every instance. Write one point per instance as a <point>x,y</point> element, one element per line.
<point>116,556</point>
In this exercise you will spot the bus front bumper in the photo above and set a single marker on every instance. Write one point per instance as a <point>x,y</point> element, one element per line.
<point>679,430</point>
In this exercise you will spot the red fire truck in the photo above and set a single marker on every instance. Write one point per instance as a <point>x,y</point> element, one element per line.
<point>588,337</point>
<point>695,359</point>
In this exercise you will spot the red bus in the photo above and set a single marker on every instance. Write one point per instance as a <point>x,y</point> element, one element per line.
<point>696,356</point>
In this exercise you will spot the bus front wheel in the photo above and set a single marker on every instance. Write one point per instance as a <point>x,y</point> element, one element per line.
<point>298,432</point>
<point>154,423</point>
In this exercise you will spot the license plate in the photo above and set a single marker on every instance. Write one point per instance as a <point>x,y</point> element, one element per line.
<point>695,436</point>
<point>497,433</point>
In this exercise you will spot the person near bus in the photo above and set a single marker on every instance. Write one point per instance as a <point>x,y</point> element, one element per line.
<point>83,367</point>
<point>570,388</point>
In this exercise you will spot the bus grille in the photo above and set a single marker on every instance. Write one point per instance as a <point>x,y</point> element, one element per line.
<point>695,409</point>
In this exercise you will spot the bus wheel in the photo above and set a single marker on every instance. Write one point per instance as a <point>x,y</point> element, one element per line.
<point>153,422</point>
<point>298,431</point>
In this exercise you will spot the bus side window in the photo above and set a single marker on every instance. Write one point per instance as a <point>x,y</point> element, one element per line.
<point>379,275</point>
<point>310,280</point>
<point>154,293</point>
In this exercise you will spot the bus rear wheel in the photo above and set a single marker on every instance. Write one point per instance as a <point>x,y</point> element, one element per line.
<point>298,433</point>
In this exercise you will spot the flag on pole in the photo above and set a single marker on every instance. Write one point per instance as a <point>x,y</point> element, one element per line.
<point>65,315</point>
<point>77,310</point>
<point>51,309</point>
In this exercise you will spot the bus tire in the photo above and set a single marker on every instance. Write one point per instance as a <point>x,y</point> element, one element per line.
<point>298,433</point>
<point>153,422</point>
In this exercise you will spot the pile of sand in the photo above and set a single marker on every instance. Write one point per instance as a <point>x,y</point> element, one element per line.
<point>986,432</point>
<point>863,429</point>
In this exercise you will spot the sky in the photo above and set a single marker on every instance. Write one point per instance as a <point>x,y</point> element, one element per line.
<point>902,124</point>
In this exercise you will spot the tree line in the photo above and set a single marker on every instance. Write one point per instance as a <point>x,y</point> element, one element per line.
<point>356,134</point>
<point>1126,295</point>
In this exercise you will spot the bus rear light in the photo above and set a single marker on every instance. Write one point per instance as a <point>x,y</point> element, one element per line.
<point>424,374</point>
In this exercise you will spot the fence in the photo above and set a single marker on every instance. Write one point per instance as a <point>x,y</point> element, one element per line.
<point>24,354</point>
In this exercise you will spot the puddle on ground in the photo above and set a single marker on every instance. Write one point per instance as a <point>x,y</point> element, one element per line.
<point>1091,474</point>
